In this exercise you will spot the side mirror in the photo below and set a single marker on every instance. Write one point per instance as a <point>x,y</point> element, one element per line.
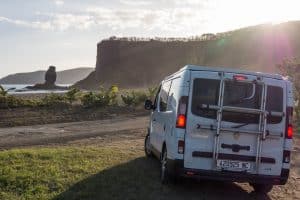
<point>148,105</point>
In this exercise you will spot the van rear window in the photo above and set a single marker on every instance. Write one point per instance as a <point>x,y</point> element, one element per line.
<point>274,103</point>
<point>244,95</point>
<point>236,94</point>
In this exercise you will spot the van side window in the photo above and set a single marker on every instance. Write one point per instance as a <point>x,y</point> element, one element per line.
<point>205,91</point>
<point>164,93</point>
<point>156,98</point>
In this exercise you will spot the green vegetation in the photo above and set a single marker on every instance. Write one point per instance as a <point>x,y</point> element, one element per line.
<point>134,98</point>
<point>291,68</point>
<point>71,95</point>
<point>92,99</point>
<point>152,92</point>
<point>115,171</point>
<point>44,173</point>
<point>101,98</point>
<point>2,91</point>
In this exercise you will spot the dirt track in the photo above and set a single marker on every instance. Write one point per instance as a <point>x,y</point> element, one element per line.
<point>126,129</point>
<point>78,132</point>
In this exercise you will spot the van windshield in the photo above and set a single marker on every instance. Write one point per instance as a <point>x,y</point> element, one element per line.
<point>236,94</point>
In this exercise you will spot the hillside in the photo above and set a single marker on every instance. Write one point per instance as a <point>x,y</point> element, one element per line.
<point>63,77</point>
<point>135,62</point>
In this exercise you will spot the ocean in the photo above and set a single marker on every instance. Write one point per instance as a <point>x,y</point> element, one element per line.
<point>21,89</point>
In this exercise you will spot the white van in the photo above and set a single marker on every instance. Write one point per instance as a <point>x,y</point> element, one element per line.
<point>222,124</point>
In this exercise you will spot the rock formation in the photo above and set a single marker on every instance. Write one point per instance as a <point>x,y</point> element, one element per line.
<point>50,76</point>
<point>49,84</point>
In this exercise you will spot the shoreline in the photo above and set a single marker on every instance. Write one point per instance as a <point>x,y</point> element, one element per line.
<point>21,89</point>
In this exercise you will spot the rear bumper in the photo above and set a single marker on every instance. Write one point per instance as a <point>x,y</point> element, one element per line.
<point>177,167</point>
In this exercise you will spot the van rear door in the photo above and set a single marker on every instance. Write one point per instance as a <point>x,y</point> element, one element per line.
<point>237,147</point>
<point>199,140</point>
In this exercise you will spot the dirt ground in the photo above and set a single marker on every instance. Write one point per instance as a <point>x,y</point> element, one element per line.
<point>129,129</point>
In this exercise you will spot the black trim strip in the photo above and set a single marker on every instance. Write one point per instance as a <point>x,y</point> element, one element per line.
<point>202,154</point>
<point>235,147</point>
<point>233,157</point>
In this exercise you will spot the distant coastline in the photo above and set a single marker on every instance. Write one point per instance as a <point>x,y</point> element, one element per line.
<point>69,76</point>
<point>21,89</point>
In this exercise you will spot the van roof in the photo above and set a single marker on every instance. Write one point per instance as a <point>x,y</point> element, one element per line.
<point>230,70</point>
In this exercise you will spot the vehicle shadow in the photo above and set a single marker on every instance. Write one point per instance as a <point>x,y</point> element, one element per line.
<point>139,179</point>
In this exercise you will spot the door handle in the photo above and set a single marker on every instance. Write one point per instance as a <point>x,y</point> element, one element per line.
<point>154,120</point>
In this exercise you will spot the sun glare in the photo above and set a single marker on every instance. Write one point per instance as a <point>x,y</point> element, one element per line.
<point>232,14</point>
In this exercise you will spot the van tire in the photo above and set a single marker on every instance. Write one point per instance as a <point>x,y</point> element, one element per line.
<point>166,175</point>
<point>262,188</point>
<point>147,147</point>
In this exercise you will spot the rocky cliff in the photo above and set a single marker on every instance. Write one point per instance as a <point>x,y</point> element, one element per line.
<point>141,63</point>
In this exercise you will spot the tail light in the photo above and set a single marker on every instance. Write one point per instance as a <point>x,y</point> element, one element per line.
<point>181,114</point>
<point>289,125</point>
<point>240,77</point>
<point>290,131</point>
<point>180,146</point>
<point>286,156</point>
<point>190,173</point>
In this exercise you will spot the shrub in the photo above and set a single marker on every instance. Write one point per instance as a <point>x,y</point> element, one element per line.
<point>93,99</point>
<point>102,98</point>
<point>140,96</point>
<point>88,99</point>
<point>152,92</point>
<point>2,91</point>
<point>128,99</point>
<point>10,101</point>
<point>71,95</point>
<point>113,94</point>
<point>53,99</point>
<point>3,102</point>
<point>14,102</point>
<point>134,98</point>
<point>291,68</point>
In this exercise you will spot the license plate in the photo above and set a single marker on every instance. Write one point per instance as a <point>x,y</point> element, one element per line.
<point>230,164</point>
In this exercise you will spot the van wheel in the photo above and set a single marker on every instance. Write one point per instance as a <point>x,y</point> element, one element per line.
<point>147,146</point>
<point>262,188</point>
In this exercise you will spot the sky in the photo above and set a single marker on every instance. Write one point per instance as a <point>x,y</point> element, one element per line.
<point>37,33</point>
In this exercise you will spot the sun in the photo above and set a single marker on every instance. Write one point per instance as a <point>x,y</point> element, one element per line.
<point>232,14</point>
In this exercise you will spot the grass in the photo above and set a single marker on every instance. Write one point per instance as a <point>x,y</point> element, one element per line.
<point>47,173</point>
<point>92,172</point>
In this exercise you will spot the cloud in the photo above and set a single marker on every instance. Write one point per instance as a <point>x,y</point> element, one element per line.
<point>60,22</point>
<point>182,19</point>
<point>149,19</point>
<point>196,4</point>
<point>23,23</point>
<point>136,2</point>
<point>58,2</point>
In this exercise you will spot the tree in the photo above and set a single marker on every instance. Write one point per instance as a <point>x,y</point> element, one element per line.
<point>291,68</point>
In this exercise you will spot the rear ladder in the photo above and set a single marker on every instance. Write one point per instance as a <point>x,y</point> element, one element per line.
<point>261,133</point>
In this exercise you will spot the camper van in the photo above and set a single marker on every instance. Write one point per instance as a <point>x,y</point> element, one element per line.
<point>222,124</point>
